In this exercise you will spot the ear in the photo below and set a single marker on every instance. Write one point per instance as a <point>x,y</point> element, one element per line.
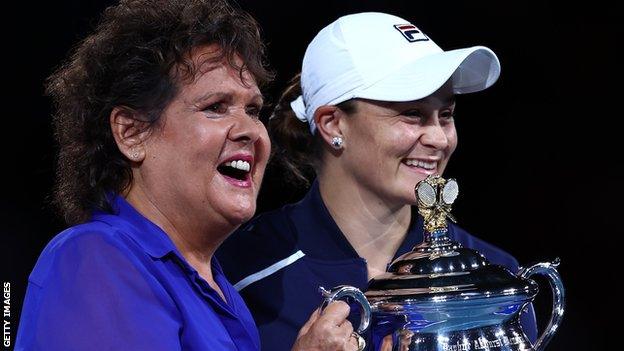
<point>129,132</point>
<point>327,120</point>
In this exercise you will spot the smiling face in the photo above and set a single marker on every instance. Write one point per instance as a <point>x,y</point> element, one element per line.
<point>206,156</point>
<point>391,146</point>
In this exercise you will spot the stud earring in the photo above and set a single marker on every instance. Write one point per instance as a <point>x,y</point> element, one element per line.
<point>337,142</point>
<point>135,155</point>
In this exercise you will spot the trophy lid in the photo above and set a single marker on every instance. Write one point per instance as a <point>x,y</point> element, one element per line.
<point>440,269</point>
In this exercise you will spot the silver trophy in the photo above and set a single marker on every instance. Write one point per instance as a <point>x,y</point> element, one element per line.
<point>444,297</point>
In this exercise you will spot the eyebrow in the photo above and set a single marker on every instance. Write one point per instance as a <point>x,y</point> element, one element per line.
<point>208,96</point>
<point>222,95</point>
<point>448,101</point>
<point>451,100</point>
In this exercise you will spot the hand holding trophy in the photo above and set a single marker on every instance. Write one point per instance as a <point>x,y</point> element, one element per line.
<point>442,296</point>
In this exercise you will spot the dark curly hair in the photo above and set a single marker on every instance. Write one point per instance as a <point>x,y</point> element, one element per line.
<point>135,58</point>
<point>294,149</point>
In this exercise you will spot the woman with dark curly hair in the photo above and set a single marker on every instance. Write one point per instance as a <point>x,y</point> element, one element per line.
<point>161,157</point>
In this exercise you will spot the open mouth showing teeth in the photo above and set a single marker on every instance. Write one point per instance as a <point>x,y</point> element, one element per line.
<point>420,164</point>
<point>236,169</point>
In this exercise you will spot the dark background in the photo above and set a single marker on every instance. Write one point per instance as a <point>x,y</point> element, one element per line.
<point>539,158</point>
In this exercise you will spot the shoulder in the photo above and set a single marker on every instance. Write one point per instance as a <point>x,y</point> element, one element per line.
<point>260,243</point>
<point>493,253</point>
<point>94,280</point>
<point>79,247</point>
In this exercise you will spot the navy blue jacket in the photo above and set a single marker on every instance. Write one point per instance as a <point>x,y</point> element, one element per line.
<point>279,259</point>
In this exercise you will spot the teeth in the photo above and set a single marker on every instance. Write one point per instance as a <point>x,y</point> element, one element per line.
<point>239,164</point>
<point>421,164</point>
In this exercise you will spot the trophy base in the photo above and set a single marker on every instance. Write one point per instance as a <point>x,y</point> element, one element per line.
<point>502,337</point>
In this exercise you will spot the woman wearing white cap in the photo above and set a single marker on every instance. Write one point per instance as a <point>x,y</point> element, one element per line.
<point>371,115</point>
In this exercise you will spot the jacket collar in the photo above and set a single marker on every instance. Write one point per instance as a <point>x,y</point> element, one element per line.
<point>320,237</point>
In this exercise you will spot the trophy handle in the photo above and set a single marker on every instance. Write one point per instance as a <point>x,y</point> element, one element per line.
<point>343,291</point>
<point>549,269</point>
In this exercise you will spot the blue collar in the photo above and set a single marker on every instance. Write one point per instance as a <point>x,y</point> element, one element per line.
<point>150,237</point>
<point>320,237</point>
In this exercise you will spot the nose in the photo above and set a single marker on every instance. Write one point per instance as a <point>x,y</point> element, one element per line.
<point>246,129</point>
<point>434,135</point>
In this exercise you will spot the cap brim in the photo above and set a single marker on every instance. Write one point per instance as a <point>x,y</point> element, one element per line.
<point>472,69</point>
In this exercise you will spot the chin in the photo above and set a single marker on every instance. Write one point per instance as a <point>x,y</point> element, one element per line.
<point>410,200</point>
<point>407,195</point>
<point>241,215</point>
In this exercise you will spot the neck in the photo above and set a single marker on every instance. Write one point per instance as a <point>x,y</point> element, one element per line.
<point>194,240</point>
<point>373,227</point>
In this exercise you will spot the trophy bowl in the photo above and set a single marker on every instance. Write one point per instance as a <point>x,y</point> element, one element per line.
<point>444,297</point>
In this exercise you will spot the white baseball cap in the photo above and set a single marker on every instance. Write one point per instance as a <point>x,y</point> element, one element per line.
<point>383,57</point>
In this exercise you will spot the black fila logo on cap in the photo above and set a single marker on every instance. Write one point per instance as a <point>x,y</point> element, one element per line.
<point>411,33</point>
